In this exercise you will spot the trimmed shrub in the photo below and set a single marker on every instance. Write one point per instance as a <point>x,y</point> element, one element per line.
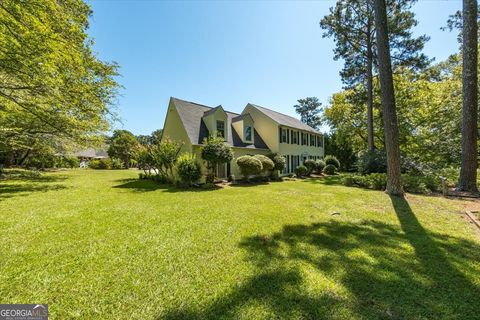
<point>249,166</point>
<point>301,171</point>
<point>332,160</point>
<point>215,151</point>
<point>411,183</point>
<point>100,164</point>
<point>278,161</point>
<point>319,165</point>
<point>329,169</point>
<point>310,165</point>
<point>94,164</point>
<point>188,169</point>
<point>267,163</point>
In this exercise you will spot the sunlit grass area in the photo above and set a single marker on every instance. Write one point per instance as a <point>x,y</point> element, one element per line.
<point>103,245</point>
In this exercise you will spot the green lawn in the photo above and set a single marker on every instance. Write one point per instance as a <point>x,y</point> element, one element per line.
<point>102,245</point>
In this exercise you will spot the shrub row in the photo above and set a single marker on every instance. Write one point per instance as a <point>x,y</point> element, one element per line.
<point>105,164</point>
<point>425,184</point>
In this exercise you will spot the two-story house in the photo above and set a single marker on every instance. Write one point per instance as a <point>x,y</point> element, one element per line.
<point>257,130</point>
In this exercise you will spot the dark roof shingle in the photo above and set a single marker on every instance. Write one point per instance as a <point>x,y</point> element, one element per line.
<point>191,114</point>
<point>283,119</point>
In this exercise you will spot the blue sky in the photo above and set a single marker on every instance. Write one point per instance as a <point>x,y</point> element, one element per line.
<point>229,53</point>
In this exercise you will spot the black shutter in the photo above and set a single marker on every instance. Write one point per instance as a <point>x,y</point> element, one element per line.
<point>288,136</point>
<point>298,137</point>
<point>280,134</point>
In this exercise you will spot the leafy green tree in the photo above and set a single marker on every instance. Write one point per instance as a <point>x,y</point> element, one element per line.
<point>154,138</point>
<point>124,146</point>
<point>215,151</point>
<point>164,157</point>
<point>310,110</point>
<point>53,88</point>
<point>352,25</point>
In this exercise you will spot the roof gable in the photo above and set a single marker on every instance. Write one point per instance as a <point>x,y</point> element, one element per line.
<point>192,114</point>
<point>283,119</point>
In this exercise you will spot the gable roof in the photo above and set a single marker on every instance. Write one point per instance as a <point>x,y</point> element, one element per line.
<point>191,114</point>
<point>283,119</point>
<point>91,153</point>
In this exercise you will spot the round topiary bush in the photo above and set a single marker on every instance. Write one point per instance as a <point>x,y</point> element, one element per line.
<point>319,165</point>
<point>301,171</point>
<point>310,165</point>
<point>188,169</point>
<point>279,163</point>
<point>267,163</point>
<point>249,166</point>
<point>329,169</point>
<point>332,160</point>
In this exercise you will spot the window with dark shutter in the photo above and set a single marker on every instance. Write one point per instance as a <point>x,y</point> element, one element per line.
<point>280,134</point>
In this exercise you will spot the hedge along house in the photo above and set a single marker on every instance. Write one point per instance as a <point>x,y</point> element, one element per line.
<point>257,130</point>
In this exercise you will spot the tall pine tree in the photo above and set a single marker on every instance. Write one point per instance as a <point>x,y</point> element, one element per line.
<point>468,171</point>
<point>351,24</point>
<point>390,123</point>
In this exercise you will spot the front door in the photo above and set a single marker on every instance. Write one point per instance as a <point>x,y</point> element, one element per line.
<point>221,171</point>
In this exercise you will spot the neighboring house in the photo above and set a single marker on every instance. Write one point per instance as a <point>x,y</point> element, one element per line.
<point>257,130</point>
<point>90,154</point>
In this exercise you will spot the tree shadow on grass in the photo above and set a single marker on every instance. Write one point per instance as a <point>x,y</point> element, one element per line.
<point>379,271</point>
<point>9,190</point>
<point>138,185</point>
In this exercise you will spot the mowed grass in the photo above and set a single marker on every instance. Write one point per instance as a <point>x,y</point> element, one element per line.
<point>103,245</point>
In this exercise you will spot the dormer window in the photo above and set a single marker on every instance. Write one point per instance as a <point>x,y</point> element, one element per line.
<point>221,128</point>
<point>247,133</point>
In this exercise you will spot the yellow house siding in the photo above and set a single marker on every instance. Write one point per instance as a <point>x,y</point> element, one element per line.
<point>174,129</point>
<point>265,126</point>
<point>302,151</point>
<point>211,121</point>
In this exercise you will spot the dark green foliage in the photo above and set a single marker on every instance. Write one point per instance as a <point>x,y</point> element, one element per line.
<point>425,184</point>
<point>330,169</point>
<point>124,146</point>
<point>310,164</point>
<point>215,151</point>
<point>70,162</point>
<point>278,161</point>
<point>329,159</point>
<point>267,163</point>
<point>249,166</point>
<point>309,110</point>
<point>188,169</point>
<point>374,161</point>
<point>342,148</point>
<point>151,139</point>
<point>319,166</point>
<point>41,161</point>
<point>102,164</point>
<point>301,171</point>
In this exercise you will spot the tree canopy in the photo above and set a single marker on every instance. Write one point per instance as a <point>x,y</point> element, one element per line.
<point>53,88</point>
<point>310,110</point>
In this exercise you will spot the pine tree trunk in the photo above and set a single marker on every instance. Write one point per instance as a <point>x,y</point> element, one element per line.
<point>371,143</point>
<point>468,171</point>
<point>394,185</point>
